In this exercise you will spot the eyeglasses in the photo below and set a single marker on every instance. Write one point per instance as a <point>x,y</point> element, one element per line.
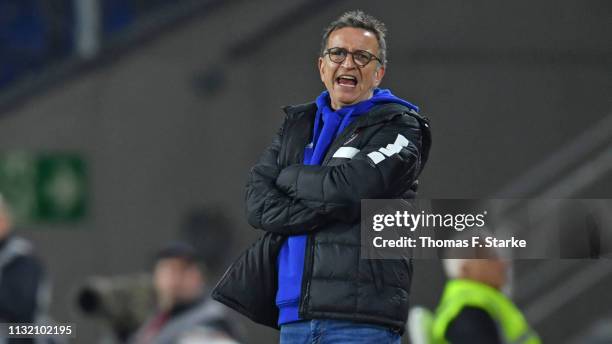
<point>360,57</point>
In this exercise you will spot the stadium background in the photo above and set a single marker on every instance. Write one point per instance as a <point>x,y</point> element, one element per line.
<point>168,103</point>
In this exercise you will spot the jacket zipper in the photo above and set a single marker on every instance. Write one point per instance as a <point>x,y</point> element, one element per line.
<point>337,143</point>
<point>305,288</point>
<point>309,262</point>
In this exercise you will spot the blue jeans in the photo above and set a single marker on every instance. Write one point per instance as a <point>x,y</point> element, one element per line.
<point>336,331</point>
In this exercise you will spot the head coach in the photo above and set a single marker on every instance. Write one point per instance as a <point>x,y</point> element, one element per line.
<point>355,141</point>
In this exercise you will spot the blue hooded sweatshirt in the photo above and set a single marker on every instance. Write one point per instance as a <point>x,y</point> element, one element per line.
<point>328,125</point>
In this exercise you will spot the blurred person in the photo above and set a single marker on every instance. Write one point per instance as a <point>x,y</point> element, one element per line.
<point>185,314</point>
<point>473,308</point>
<point>355,141</point>
<point>24,292</point>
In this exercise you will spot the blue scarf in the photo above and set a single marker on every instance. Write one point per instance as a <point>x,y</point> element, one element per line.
<point>328,125</point>
<point>334,122</point>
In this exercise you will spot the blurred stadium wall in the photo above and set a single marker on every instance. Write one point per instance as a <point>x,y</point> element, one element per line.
<point>174,121</point>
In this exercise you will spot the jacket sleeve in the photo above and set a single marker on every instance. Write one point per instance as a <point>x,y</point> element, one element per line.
<point>385,167</point>
<point>270,209</point>
<point>18,290</point>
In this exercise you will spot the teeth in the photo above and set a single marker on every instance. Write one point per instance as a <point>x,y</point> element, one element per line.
<point>349,77</point>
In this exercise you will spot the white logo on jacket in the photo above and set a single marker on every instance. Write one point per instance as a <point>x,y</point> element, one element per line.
<point>392,148</point>
<point>346,152</point>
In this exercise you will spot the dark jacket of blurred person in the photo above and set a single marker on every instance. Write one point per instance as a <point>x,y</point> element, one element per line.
<point>24,292</point>
<point>473,310</point>
<point>185,314</point>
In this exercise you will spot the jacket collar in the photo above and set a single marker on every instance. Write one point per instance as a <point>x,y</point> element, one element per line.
<point>379,113</point>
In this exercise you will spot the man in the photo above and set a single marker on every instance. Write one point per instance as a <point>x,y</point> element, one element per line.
<point>473,309</point>
<point>354,142</point>
<point>185,314</point>
<point>23,289</point>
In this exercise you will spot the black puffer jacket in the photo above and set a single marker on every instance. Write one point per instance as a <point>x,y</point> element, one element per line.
<point>379,155</point>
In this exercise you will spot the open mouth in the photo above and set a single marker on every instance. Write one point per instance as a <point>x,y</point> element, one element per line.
<point>347,80</point>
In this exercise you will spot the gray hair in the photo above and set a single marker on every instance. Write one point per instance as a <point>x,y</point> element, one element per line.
<point>361,20</point>
<point>455,257</point>
<point>452,267</point>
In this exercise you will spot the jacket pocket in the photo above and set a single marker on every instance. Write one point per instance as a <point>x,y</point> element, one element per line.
<point>249,285</point>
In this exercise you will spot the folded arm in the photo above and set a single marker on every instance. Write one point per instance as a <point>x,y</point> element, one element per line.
<point>385,168</point>
<point>269,208</point>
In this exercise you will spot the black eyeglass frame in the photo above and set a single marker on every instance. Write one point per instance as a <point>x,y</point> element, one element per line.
<point>352,53</point>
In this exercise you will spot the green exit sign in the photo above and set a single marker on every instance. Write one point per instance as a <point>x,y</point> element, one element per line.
<point>44,187</point>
